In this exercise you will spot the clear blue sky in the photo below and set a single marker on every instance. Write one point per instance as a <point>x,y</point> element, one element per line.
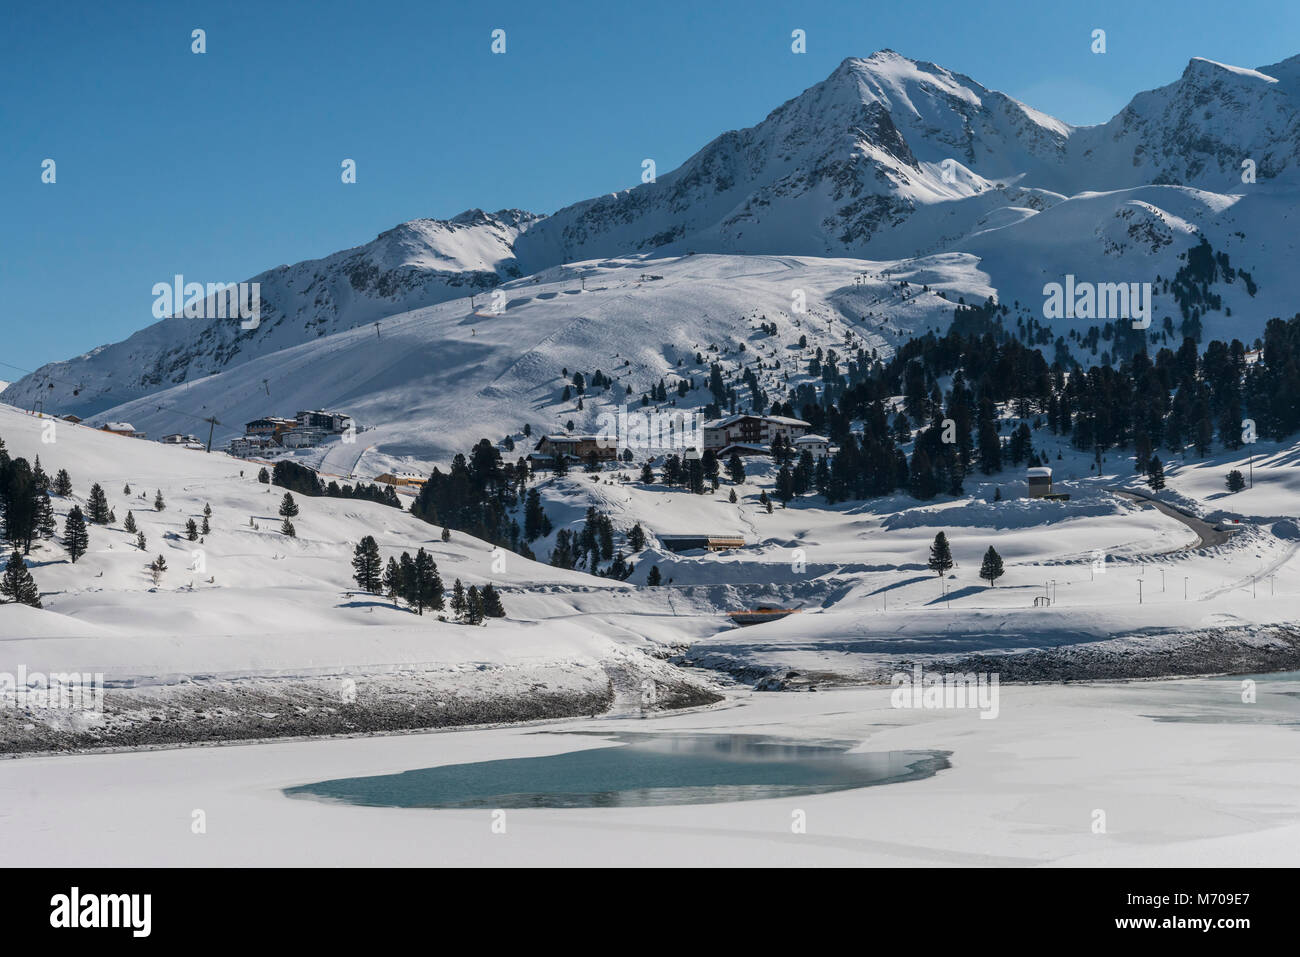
<point>222,165</point>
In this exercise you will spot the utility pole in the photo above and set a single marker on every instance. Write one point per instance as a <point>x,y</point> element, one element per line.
<point>1139,591</point>
<point>212,423</point>
<point>1184,588</point>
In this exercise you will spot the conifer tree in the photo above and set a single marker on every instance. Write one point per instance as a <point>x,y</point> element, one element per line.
<point>654,578</point>
<point>940,555</point>
<point>140,542</point>
<point>288,507</point>
<point>492,606</point>
<point>458,605</point>
<point>367,569</point>
<point>1156,473</point>
<point>45,521</point>
<point>158,503</point>
<point>991,569</point>
<point>191,530</point>
<point>735,469</point>
<point>393,580</point>
<point>1236,481</point>
<point>97,506</point>
<point>75,537</point>
<point>473,606</point>
<point>62,484</point>
<point>428,582</point>
<point>17,584</point>
<point>636,538</point>
<point>287,529</point>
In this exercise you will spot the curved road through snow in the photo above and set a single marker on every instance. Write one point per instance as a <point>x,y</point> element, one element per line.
<point>1206,534</point>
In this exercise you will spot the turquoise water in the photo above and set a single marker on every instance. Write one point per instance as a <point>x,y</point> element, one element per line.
<point>639,770</point>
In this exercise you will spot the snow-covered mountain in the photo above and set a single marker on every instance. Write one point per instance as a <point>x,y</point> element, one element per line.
<point>883,166</point>
<point>415,264</point>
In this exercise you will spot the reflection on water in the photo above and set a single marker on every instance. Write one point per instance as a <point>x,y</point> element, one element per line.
<point>639,770</point>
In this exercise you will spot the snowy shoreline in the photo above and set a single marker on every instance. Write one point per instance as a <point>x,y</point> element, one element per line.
<point>251,710</point>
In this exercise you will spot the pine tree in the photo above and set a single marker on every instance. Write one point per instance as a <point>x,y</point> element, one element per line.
<point>97,506</point>
<point>654,578</point>
<point>458,605</point>
<point>62,484</point>
<point>112,517</point>
<point>735,469</point>
<point>140,542</point>
<point>785,484</point>
<point>287,529</point>
<point>473,607</point>
<point>126,489</point>
<point>207,510</point>
<point>1236,481</point>
<point>75,537</point>
<point>647,474</point>
<point>264,476</point>
<point>39,479</point>
<point>45,521</point>
<point>409,586</point>
<point>17,584</point>
<point>765,501</point>
<point>367,569</point>
<point>534,515</point>
<point>393,580</point>
<point>492,607</point>
<point>446,534</point>
<point>429,589</point>
<point>205,528</point>
<point>991,569</point>
<point>288,507</point>
<point>156,569</point>
<point>158,503</point>
<point>191,530</point>
<point>940,555</point>
<point>1156,473</point>
<point>731,496</point>
<point>636,538</point>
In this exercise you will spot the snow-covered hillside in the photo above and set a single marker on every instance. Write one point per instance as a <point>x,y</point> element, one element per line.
<point>414,264</point>
<point>427,384</point>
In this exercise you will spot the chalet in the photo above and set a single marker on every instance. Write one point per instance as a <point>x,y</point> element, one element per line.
<point>750,434</point>
<point>246,446</point>
<point>575,447</point>
<point>302,438</point>
<point>122,428</point>
<point>1040,482</point>
<point>178,438</point>
<point>818,445</point>
<point>268,427</point>
<point>74,419</point>
<point>401,478</point>
<point>322,421</point>
<point>712,543</point>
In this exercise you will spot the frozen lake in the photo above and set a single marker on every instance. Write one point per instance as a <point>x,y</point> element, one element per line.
<point>1162,772</point>
<point>639,770</point>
